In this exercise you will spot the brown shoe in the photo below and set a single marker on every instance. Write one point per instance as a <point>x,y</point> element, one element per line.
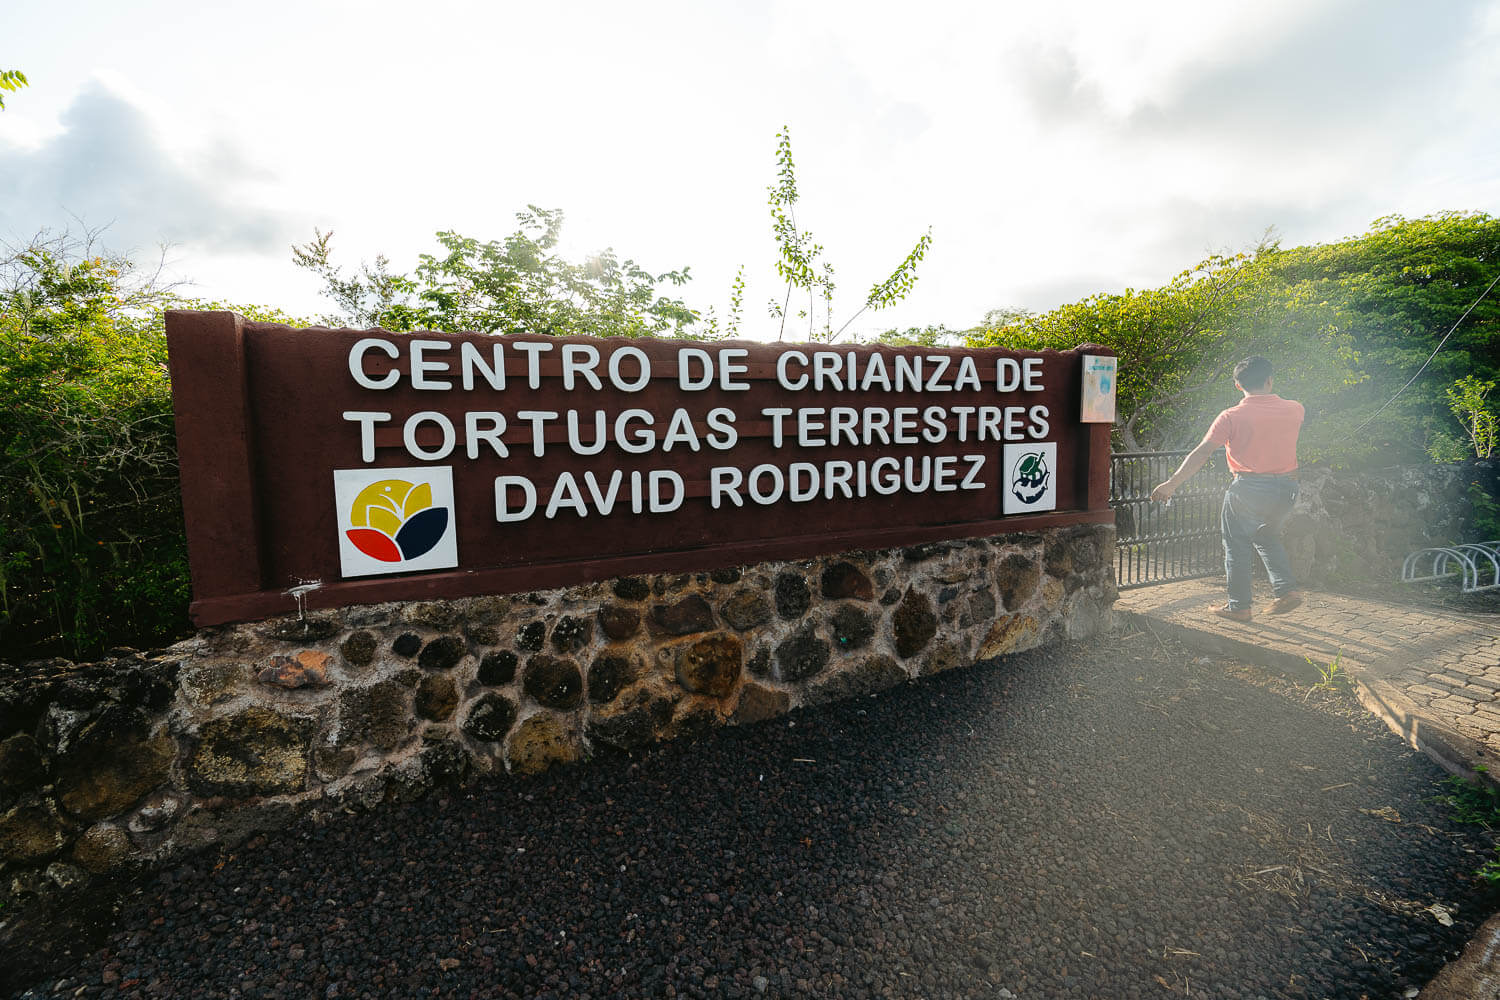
<point>1285,603</point>
<point>1242,615</point>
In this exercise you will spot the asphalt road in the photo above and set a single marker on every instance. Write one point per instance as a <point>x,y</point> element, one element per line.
<point>1104,820</point>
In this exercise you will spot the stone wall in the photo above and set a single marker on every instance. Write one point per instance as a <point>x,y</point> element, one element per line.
<point>110,766</point>
<point>1359,527</point>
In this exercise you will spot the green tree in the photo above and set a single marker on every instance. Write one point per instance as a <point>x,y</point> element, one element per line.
<point>1468,398</point>
<point>11,80</point>
<point>932,335</point>
<point>1400,288</point>
<point>1178,344</point>
<point>1346,323</point>
<point>515,285</point>
<point>799,259</point>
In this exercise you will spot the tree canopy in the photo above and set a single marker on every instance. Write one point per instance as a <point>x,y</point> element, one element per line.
<point>1345,323</point>
<point>519,284</point>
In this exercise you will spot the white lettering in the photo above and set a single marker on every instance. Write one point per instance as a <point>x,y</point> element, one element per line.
<point>911,478</point>
<point>725,481</point>
<point>806,491</point>
<point>606,501</point>
<point>657,478</point>
<point>908,372</point>
<point>942,361</point>
<point>776,413</point>
<point>891,481</point>
<point>842,421</point>
<point>989,423</point>
<point>473,433</point>
<point>723,434</point>
<point>836,474</point>
<point>580,359</point>
<point>533,349</point>
<point>936,429</point>
<point>808,423</point>
<point>470,360</point>
<point>575,435</point>
<point>565,493</point>
<point>409,435</point>
<point>538,420</point>
<point>1039,426</point>
<point>781,376</point>
<point>685,380</point>
<point>1007,375</point>
<point>875,373</point>
<point>963,420</point>
<point>763,496</point>
<point>420,365</point>
<point>642,377</point>
<point>942,479</point>
<point>976,463</point>
<point>680,431</point>
<point>1033,381</point>
<point>728,369</point>
<point>503,510</point>
<point>968,375</point>
<point>826,366</point>
<point>357,363</point>
<point>906,425</point>
<point>367,419</point>
<point>645,438</point>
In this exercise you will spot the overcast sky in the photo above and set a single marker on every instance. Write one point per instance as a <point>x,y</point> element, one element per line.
<point>1055,150</point>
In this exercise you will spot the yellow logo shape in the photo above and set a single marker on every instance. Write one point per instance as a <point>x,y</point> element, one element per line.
<point>386,505</point>
<point>393,520</point>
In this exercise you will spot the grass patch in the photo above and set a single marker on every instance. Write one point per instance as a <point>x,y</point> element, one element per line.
<point>1331,676</point>
<point>1479,805</point>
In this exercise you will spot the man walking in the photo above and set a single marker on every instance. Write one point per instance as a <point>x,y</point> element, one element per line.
<point>1259,437</point>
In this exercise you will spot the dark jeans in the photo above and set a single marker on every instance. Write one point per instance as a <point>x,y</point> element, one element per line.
<point>1254,508</point>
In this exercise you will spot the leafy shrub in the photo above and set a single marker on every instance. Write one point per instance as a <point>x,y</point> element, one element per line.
<point>1347,324</point>
<point>92,548</point>
<point>94,553</point>
<point>1469,399</point>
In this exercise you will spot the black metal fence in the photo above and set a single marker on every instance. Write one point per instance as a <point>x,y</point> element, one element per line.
<point>1157,543</point>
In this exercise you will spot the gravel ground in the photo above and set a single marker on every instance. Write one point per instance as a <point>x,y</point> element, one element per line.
<point>1116,821</point>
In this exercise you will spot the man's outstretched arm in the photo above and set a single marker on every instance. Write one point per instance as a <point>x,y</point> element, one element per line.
<point>1190,465</point>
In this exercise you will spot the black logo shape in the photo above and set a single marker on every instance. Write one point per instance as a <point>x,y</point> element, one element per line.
<point>1031,476</point>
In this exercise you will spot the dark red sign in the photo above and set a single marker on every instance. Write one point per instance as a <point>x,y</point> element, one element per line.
<point>410,466</point>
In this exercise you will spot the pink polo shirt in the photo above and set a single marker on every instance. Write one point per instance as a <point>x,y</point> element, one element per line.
<point>1259,434</point>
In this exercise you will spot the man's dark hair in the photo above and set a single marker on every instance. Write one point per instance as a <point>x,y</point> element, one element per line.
<point>1253,373</point>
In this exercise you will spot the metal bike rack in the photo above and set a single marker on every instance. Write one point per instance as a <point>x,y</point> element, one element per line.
<point>1476,563</point>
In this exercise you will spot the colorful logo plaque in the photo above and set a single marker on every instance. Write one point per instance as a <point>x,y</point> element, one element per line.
<point>395,520</point>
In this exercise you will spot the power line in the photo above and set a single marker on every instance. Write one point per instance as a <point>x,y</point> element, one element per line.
<point>1435,350</point>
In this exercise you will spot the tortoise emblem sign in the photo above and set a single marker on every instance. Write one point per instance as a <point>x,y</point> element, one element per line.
<point>1029,481</point>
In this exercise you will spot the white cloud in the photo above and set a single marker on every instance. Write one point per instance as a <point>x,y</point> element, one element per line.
<point>106,167</point>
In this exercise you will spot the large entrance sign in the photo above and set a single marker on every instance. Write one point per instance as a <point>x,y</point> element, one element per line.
<point>389,467</point>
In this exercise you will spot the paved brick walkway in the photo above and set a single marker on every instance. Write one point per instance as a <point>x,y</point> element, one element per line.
<point>1433,675</point>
